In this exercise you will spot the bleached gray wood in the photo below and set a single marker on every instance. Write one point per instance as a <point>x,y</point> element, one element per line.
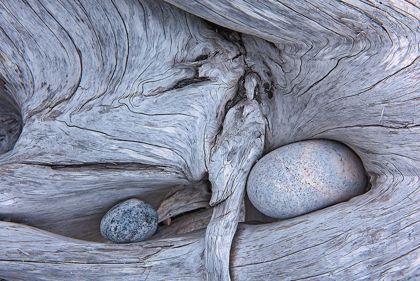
<point>10,120</point>
<point>183,199</point>
<point>115,99</point>
<point>33,254</point>
<point>236,149</point>
<point>377,247</point>
<point>339,70</point>
<point>188,222</point>
<point>103,123</point>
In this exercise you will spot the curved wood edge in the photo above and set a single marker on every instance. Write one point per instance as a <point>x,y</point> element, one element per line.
<point>330,245</point>
<point>32,254</point>
<point>119,100</point>
<point>303,22</point>
<point>374,236</point>
<point>382,243</point>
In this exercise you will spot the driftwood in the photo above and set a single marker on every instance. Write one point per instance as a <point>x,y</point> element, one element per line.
<point>134,99</point>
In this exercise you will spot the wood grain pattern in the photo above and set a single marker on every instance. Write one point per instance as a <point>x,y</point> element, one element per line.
<point>116,107</point>
<point>340,70</point>
<point>238,146</point>
<point>129,99</point>
<point>376,246</point>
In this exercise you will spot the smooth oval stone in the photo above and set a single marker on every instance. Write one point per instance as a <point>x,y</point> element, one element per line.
<point>130,221</point>
<point>305,176</point>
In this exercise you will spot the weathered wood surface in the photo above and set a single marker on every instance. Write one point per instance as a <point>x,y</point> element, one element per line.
<point>127,99</point>
<point>183,199</point>
<point>116,103</point>
<point>348,241</point>
<point>10,121</point>
<point>40,255</point>
<point>237,147</point>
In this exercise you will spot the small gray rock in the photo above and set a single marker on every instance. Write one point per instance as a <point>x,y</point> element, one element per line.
<point>130,221</point>
<point>303,177</point>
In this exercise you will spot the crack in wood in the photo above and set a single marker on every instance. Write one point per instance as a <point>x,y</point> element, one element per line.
<point>329,68</point>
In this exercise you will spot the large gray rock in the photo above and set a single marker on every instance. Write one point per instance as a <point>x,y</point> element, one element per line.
<point>302,177</point>
<point>130,221</point>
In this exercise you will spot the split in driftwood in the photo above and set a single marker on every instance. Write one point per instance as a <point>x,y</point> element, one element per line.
<point>135,98</point>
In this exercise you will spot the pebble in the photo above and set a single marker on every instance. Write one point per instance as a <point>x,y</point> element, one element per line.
<point>305,176</point>
<point>130,221</point>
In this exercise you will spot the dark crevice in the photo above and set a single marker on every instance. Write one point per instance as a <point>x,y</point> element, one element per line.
<point>225,33</point>
<point>190,81</point>
<point>179,216</point>
<point>126,166</point>
<point>202,57</point>
<point>268,89</point>
<point>10,120</point>
<point>186,82</point>
<point>240,94</point>
<point>14,220</point>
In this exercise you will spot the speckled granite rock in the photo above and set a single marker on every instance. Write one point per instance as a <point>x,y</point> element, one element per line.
<point>130,221</point>
<point>302,177</point>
